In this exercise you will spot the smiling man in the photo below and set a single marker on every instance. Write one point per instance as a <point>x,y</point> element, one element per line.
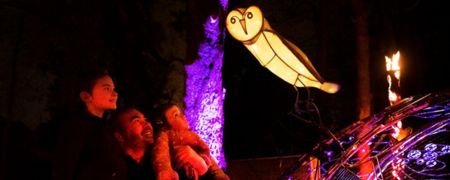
<point>135,135</point>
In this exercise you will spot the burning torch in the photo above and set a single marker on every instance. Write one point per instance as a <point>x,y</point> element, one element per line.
<point>393,77</point>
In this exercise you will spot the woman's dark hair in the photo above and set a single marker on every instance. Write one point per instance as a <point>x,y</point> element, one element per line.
<point>87,79</point>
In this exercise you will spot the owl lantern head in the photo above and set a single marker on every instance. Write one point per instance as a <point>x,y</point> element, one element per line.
<point>245,24</point>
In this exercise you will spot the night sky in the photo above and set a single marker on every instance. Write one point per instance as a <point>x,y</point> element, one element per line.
<point>45,44</point>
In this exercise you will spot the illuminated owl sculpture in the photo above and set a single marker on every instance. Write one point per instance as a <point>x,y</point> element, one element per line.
<point>277,54</point>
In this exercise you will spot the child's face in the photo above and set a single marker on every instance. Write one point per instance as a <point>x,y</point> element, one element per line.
<point>103,95</point>
<point>176,119</point>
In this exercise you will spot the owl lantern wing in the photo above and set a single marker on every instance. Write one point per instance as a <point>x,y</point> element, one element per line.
<point>287,61</point>
<point>302,58</point>
<point>328,87</point>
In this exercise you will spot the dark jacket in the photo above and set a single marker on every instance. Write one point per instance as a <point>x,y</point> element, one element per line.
<point>87,149</point>
<point>142,170</point>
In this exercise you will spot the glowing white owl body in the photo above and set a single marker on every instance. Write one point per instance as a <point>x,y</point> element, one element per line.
<point>280,56</point>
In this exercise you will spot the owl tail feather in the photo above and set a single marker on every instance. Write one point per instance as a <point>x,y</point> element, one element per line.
<point>330,87</point>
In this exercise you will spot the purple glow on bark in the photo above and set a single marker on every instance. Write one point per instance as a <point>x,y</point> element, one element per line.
<point>224,4</point>
<point>205,93</point>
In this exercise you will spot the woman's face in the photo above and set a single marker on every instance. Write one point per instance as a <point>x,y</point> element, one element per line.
<point>103,96</point>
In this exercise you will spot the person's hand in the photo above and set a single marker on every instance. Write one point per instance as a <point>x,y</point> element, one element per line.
<point>185,155</point>
<point>206,158</point>
<point>167,175</point>
<point>190,172</point>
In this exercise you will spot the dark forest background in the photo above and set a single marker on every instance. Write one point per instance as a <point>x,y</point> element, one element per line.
<point>45,44</point>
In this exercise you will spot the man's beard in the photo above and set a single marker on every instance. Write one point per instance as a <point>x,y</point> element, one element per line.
<point>136,142</point>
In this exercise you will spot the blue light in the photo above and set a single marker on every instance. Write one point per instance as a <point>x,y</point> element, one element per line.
<point>431,163</point>
<point>445,149</point>
<point>420,161</point>
<point>430,147</point>
<point>430,156</point>
<point>414,154</point>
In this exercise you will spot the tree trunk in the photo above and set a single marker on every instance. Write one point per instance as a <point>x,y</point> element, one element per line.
<point>364,97</point>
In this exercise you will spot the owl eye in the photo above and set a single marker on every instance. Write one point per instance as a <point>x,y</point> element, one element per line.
<point>249,15</point>
<point>233,20</point>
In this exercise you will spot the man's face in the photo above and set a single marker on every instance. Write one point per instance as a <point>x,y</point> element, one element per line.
<point>176,118</point>
<point>138,131</point>
<point>103,96</point>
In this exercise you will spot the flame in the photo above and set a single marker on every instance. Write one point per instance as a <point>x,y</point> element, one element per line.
<point>393,97</point>
<point>388,63</point>
<point>395,61</point>
<point>393,68</point>
<point>393,64</point>
<point>393,73</point>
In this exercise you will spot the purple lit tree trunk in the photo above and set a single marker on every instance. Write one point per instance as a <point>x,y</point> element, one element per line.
<point>204,90</point>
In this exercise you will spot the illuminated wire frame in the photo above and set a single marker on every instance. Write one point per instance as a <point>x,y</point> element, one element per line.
<point>424,152</point>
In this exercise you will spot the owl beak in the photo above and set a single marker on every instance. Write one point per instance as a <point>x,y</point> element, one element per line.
<point>244,27</point>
